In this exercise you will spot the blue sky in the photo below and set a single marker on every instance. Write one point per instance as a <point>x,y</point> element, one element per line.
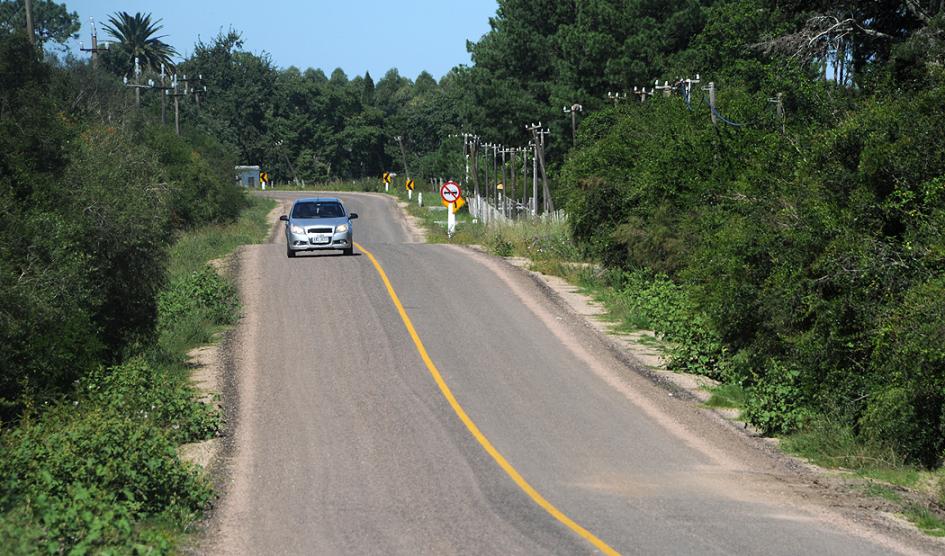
<point>355,35</point>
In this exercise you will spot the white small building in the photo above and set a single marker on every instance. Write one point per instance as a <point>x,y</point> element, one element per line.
<point>248,176</point>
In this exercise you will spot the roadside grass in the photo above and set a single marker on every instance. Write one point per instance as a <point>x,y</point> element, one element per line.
<point>726,395</point>
<point>925,520</point>
<point>195,248</point>
<point>363,185</point>
<point>833,446</point>
<point>99,472</point>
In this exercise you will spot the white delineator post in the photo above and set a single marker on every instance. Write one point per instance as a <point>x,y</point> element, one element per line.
<point>410,194</point>
<point>386,187</point>
<point>420,198</point>
<point>451,219</point>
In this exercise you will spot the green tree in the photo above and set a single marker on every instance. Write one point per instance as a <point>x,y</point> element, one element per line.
<point>136,39</point>
<point>52,22</point>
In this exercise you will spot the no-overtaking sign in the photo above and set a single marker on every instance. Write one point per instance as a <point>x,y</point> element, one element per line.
<point>450,191</point>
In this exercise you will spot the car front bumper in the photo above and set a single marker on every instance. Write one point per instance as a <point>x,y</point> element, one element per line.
<point>308,242</point>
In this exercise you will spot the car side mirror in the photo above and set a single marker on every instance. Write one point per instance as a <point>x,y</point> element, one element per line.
<point>353,216</point>
<point>284,218</point>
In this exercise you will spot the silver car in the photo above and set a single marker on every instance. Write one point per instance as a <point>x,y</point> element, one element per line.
<point>318,223</point>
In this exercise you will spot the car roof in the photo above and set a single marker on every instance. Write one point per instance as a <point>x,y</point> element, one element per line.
<point>318,200</point>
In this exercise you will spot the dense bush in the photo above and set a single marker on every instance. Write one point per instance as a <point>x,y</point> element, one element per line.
<point>80,480</point>
<point>92,193</point>
<point>814,258</point>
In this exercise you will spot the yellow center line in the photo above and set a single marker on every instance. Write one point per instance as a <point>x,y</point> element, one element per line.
<point>473,429</point>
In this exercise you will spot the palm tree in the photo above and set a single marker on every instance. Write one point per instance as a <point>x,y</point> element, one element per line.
<point>135,39</point>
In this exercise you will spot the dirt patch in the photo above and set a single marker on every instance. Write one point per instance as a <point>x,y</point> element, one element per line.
<point>414,227</point>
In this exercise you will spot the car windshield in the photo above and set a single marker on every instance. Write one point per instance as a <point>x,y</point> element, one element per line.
<point>311,209</point>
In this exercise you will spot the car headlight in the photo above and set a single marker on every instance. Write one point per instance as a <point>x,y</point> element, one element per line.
<point>341,228</point>
<point>297,230</point>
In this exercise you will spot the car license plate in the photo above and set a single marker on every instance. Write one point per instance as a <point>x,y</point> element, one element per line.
<point>321,239</point>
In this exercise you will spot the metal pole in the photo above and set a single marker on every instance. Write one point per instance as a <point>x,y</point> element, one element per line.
<point>176,113</point>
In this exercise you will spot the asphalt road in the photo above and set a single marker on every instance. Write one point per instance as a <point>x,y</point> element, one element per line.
<point>343,443</point>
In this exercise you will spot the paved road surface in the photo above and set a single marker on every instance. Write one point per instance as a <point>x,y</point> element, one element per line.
<point>344,444</point>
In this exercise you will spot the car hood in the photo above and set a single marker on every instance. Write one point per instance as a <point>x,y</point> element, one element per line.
<point>306,222</point>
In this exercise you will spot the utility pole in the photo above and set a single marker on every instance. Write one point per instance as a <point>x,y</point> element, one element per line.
<point>29,22</point>
<point>136,85</point>
<point>403,154</point>
<point>163,96</point>
<point>573,110</point>
<point>687,87</point>
<point>534,145</point>
<point>779,103</point>
<point>539,133</point>
<point>495,173</point>
<point>616,97</point>
<point>95,48</point>
<point>200,88</point>
<point>474,156</point>
<point>666,88</point>
<point>711,89</point>
<point>643,93</point>
<point>525,174</point>
<point>174,91</point>
<point>295,177</point>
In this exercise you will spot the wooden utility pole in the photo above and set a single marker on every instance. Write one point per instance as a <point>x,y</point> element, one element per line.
<point>573,110</point>
<point>137,85</point>
<point>174,91</point>
<point>666,88</point>
<point>95,48</point>
<point>539,133</point>
<point>29,22</point>
<point>403,154</point>
<point>643,93</point>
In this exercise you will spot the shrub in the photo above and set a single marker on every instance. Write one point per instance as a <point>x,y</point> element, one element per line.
<point>78,479</point>
<point>776,401</point>
<point>139,388</point>
<point>203,293</point>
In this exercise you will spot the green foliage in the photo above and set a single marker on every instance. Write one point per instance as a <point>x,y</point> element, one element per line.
<point>201,298</point>
<point>157,395</point>
<point>500,246</point>
<point>927,521</point>
<point>79,480</point>
<point>776,401</point>
<point>52,22</point>
<point>201,191</point>
<point>643,300</point>
<point>727,395</point>
<point>136,38</point>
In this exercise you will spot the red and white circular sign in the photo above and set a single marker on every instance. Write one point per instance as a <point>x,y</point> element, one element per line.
<point>451,192</point>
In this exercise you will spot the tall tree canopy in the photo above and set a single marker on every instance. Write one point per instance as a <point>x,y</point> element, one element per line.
<point>52,21</point>
<point>137,38</point>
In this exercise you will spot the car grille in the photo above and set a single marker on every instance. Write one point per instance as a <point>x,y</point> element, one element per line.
<point>320,230</point>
